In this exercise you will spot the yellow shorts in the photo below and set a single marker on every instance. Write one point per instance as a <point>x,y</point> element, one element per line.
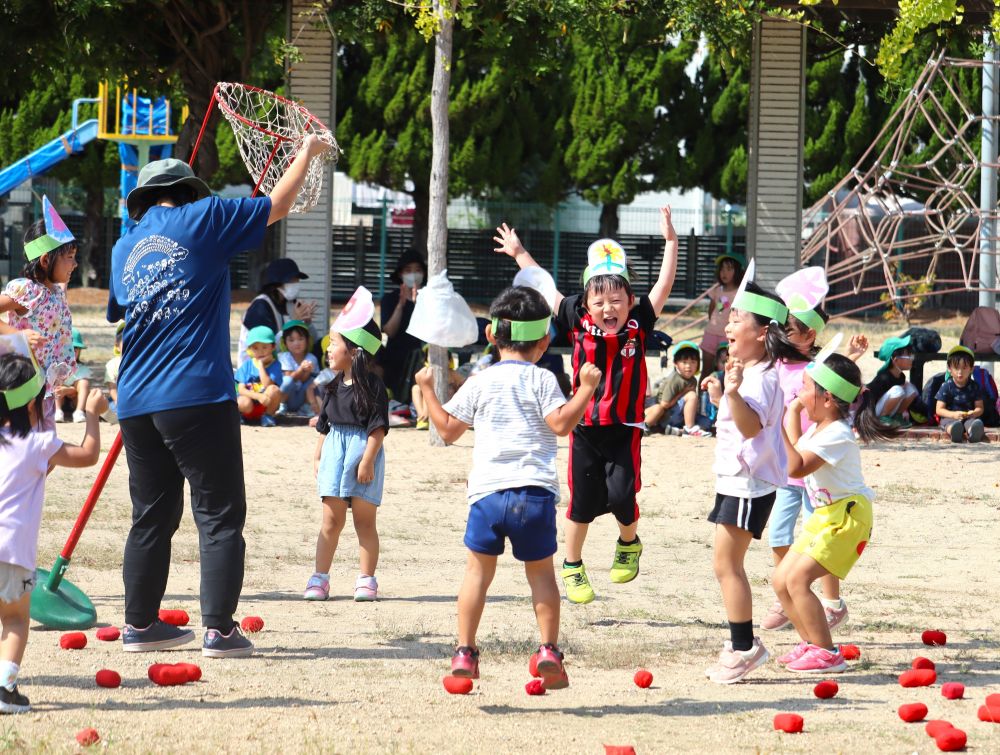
<point>835,535</point>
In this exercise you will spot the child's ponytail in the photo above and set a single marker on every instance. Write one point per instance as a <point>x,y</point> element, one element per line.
<point>865,422</point>
<point>15,371</point>
<point>365,396</point>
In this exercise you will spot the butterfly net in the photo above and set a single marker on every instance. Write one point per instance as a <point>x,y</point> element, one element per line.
<point>269,131</point>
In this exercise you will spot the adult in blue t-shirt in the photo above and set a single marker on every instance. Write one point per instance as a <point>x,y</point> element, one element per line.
<point>176,395</point>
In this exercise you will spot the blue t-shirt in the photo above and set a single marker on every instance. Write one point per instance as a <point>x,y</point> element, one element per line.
<point>959,399</point>
<point>248,373</point>
<point>288,364</point>
<point>170,282</point>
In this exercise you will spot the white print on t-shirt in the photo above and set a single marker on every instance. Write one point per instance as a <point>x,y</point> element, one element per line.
<point>156,287</point>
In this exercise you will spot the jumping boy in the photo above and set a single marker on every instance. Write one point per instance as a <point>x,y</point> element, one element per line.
<point>517,410</point>
<point>608,327</point>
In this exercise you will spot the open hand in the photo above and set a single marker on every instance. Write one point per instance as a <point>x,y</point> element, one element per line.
<point>508,241</point>
<point>857,347</point>
<point>666,225</point>
<point>590,376</point>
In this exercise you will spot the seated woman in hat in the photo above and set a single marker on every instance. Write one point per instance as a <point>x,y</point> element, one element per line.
<point>398,360</point>
<point>277,303</point>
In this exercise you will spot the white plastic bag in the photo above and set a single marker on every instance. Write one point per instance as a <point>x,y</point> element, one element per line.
<point>441,317</point>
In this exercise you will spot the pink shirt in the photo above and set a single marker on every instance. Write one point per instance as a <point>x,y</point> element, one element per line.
<point>790,378</point>
<point>756,466</point>
<point>24,463</point>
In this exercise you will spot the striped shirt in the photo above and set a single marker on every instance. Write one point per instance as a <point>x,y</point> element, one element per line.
<point>621,358</point>
<point>506,405</point>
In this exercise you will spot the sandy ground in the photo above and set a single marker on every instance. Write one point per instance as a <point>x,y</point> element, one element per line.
<point>346,677</point>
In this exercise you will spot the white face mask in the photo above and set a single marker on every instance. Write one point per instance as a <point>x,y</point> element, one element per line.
<point>413,280</point>
<point>290,291</point>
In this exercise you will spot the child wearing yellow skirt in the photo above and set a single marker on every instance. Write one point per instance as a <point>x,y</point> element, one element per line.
<point>827,457</point>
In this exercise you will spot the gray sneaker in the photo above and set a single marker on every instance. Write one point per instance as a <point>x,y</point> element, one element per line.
<point>232,645</point>
<point>977,431</point>
<point>157,636</point>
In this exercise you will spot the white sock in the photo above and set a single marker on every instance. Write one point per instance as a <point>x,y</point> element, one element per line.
<point>322,575</point>
<point>836,605</point>
<point>8,674</point>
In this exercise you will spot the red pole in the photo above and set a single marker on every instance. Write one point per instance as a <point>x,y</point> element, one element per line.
<point>95,493</point>
<point>204,123</point>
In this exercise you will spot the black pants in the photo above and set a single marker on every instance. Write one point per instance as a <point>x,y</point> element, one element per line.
<point>202,445</point>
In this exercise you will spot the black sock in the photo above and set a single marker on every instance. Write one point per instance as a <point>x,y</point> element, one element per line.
<point>630,542</point>
<point>572,564</point>
<point>741,634</point>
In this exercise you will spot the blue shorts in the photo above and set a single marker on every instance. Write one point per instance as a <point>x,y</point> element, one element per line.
<point>527,516</point>
<point>338,465</point>
<point>295,392</point>
<point>788,501</point>
<point>676,417</point>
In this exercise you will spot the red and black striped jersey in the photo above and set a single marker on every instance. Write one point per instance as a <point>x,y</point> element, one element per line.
<point>621,358</point>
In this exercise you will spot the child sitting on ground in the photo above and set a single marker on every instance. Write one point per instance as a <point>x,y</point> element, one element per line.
<point>111,369</point>
<point>300,367</point>
<point>28,451</point>
<point>455,380</point>
<point>895,398</point>
<point>258,380</point>
<point>517,410</point>
<point>960,399</point>
<point>676,405</point>
<point>711,386</point>
<point>71,396</point>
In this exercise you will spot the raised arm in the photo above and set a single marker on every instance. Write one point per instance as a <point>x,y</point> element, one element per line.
<point>284,192</point>
<point>668,268</point>
<point>510,245</point>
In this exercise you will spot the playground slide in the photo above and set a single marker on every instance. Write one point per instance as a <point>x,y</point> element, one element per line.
<point>70,143</point>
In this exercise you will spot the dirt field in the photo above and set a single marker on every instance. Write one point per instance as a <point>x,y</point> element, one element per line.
<point>346,677</point>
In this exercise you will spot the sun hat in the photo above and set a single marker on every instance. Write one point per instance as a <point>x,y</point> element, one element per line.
<point>722,345</point>
<point>296,324</point>
<point>407,258</point>
<point>260,334</point>
<point>161,173</point>
<point>685,346</point>
<point>281,271</point>
<point>740,259</point>
<point>78,340</point>
<point>890,347</point>
<point>961,350</point>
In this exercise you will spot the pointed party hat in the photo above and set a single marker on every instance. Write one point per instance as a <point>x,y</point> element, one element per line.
<point>605,257</point>
<point>759,305</point>
<point>827,378</point>
<point>356,322</point>
<point>803,291</point>
<point>56,233</point>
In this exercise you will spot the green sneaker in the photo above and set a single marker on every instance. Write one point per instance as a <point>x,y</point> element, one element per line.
<point>625,567</point>
<point>578,588</point>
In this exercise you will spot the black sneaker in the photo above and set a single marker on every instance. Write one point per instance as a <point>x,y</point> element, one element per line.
<point>12,701</point>
<point>232,645</point>
<point>157,636</point>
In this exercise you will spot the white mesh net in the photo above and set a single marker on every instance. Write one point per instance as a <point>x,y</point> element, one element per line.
<point>269,130</point>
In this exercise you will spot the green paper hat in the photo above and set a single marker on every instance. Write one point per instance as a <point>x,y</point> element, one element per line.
<point>356,322</point>
<point>56,233</point>
<point>890,347</point>
<point>684,345</point>
<point>605,257</point>
<point>259,334</point>
<point>525,330</point>
<point>759,305</point>
<point>803,291</point>
<point>78,340</point>
<point>21,395</point>
<point>828,379</point>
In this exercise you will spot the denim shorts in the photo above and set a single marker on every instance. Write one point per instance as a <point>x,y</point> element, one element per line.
<point>788,501</point>
<point>526,516</point>
<point>295,392</point>
<point>338,465</point>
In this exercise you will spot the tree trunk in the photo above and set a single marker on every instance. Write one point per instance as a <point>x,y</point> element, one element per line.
<point>609,220</point>
<point>437,221</point>
<point>94,209</point>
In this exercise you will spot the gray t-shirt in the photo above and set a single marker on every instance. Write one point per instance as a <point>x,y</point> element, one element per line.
<point>506,405</point>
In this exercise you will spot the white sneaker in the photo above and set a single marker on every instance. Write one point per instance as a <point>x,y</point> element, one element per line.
<point>365,589</point>
<point>59,416</point>
<point>79,416</point>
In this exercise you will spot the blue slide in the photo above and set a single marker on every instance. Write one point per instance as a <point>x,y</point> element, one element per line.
<point>70,143</point>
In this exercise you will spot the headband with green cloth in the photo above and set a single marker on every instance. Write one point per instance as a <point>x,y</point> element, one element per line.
<point>524,330</point>
<point>828,379</point>
<point>356,321</point>
<point>759,305</point>
<point>56,233</point>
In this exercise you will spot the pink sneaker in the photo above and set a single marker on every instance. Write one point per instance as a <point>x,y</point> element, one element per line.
<point>465,663</point>
<point>836,616</point>
<point>317,588</point>
<point>727,647</point>
<point>794,654</point>
<point>365,589</point>
<point>549,664</point>
<point>736,664</point>
<point>775,618</point>
<point>818,660</point>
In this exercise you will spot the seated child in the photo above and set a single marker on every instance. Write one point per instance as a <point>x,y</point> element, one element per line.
<point>891,393</point>
<point>258,380</point>
<point>111,376</point>
<point>676,402</point>
<point>517,411</point>
<point>960,399</point>
<point>300,367</point>
<point>455,380</point>
<point>711,391</point>
<point>71,396</point>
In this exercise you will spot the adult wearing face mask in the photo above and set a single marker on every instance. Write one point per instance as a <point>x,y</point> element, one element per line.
<point>277,302</point>
<point>396,359</point>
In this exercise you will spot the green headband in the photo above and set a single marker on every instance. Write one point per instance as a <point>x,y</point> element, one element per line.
<point>24,393</point>
<point>810,318</point>
<point>364,339</point>
<point>610,268</point>
<point>530,330</point>
<point>761,305</point>
<point>42,245</point>
<point>831,381</point>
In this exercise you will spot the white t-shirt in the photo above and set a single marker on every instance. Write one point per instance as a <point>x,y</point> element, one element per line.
<point>841,476</point>
<point>288,363</point>
<point>24,464</point>
<point>506,405</point>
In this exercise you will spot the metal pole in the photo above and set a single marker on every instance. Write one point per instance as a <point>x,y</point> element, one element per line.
<point>729,229</point>
<point>988,178</point>
<point>383,242</point>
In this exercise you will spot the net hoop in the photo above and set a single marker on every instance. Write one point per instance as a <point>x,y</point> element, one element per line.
<point>269,130</point>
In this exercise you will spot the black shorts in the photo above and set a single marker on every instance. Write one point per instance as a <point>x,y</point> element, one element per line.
<point>750,514</point>
<point>604,472</point>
